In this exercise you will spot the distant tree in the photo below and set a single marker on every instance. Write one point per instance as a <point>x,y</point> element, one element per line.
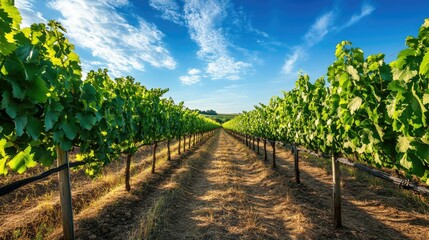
<point>208,112</point>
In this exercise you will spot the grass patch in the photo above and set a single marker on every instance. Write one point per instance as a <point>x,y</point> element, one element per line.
<point>153,224</point>
<point>391,194</point>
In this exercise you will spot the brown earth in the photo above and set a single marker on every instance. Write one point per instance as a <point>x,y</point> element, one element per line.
<point>33,211</point>
<point>235,195</point>
<point>224,190</point>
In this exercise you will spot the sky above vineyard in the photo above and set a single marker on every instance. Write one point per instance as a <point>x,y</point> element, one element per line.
<point>225,55</point>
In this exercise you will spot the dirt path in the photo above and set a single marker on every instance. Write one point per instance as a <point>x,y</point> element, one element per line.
<point>235,195</point>
<point>232,198</point>
<point>223,190</point>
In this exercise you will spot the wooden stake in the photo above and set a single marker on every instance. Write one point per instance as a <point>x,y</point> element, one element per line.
<point>65,195</point>
<point>295,155</point>
<point>184,143</point>
<point>273,145</point>
<point>265,150</point>
<point>257,142</point>
<point>178,149</point>
<point>155,145</point>
<point>168,150</point>
<point>336,174</point>
<point>127,173</point>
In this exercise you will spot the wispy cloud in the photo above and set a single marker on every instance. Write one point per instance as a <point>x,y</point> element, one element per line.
<point>29,15</point>
<point>225,67</point>
<point>365,11</point>
<point>323,25</point>
<point>170,10</point>
<point>204,20</point>
<point>290,60</point>
<point>320,28</point>
<point>193,77</point>
<point>99,27</point>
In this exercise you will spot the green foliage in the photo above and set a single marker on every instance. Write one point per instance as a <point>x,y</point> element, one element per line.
<point>373,110</point>
<point>45,103</point>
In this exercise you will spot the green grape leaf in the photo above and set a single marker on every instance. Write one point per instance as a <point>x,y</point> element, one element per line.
<point>66,144</point>
<point>396,86</point>
<point>424,66</point>
<point>17,90</point>
<point>354,104</point>
<point>3,169</point>
<point>89,93</point>
<point>34,127</point>
<point>52,113</point>
<point>12,12</point>
<point>22,161</point>
<point>352,71</point>
<point>418,168</point>
<point>70,130</point>
<point>37,90</point>
<point>3,143</point>
<point>425,98</point>
<point>9,105</point>
<point>405,163</point>
<point>20,123</point>
<point>403,144</point>
<point>404,75</point>
<point>10,18</point>
<point>86,120</point>
<point>44,155</point>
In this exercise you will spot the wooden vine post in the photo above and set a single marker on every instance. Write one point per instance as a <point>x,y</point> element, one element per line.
<point>296,160</point>
<point>336,174</point>
<point>257,143</point>
<point>155,145</point>
<point>265,150</point>
<point>178,149</point>
<point>168,150</point>
<point>127,172</point>
<point>184,143</point>
<point>273,145</point>
<point>65,195</point>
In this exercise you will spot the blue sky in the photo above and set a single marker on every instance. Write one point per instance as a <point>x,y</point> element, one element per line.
<point>226,55</point>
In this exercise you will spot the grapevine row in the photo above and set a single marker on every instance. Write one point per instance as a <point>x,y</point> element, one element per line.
<point>370,110</point>
<point>46,106</point>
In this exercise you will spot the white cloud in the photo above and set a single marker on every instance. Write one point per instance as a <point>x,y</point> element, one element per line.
<point>98,26</point>
<point>204,20</point>
<point>320,28</point>
<point>365,11</point>
<point>190,79</point>
<point>194,71</point>
<point>290,61</point>
<point>193,77</point>
<point>29,15</point>
<point>169,8</point>
<point>227,68</point>
<point>317,32</point>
